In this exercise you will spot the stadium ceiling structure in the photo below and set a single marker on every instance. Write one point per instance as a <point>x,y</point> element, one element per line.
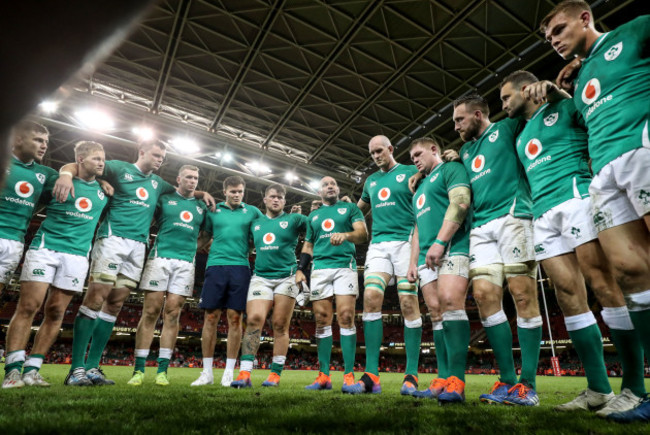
<point>293,90</point>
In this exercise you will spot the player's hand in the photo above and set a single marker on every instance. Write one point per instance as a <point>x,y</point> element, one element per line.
<point>106,187</point>
<point>345,198</point>
<point>338,238</point>
<point>538,92</point>
<point>412,274</point>
<point>565,78</point>
<point>450,156</point>
<point>434,255</point>
<point>302,299</point>
<point>209,201</point>
<point>296,208</point>
<point>414,181</point>
<point>63,187</point>
<point>300,277</point>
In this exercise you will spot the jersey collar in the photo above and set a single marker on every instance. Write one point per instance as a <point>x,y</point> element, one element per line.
<point>184,197</point>
<point>486,131</point>
<point>596,44</point>
<point>227,207</point>
<point>17,160</point>
<point>538,111</point>
<point>277,217</point>
<point>391,169</point>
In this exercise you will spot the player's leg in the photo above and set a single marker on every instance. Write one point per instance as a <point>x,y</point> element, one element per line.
<point>171,316</point>
<point>153,302</point>
<point>11,252</point>
<point>238,285</point>
<point>54,311</point>
<point>256,312</point>
<point>345,317</point>
<point>283,306</point>
<point>323,314</point>
<point>32,294</point>
<point>452,292</point>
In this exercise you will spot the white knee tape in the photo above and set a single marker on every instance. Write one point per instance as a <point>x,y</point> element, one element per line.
<point>495,319</point>
<point>370,317</point>
<point>617,318</point>
<point>106,317</point>
<point>532,323</point>
<point>88,312</point>
<point>580,321</point>
<point>454,315</point>
<point>417,323</point>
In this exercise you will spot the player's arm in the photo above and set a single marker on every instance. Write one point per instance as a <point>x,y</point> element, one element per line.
<point>414,180</point>
<point>459,203</point>
<point>545,90</point>
<point>107,187</point>
<point>568,74</point>
<point>306,255</point>
<point>207,198</point>
<point>412,274</point>
<point>63,185</point>
<point>203,241</point>
<point>363,206</point>
<point>359,234</point>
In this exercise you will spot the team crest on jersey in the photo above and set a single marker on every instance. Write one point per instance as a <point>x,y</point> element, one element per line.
<point>434,178</point>
<point>154,183</point>
<point>100,195</point>
<point>613,52</point>
<point>142,193</point>
<point>40,177</point>
<point>245,210</point>
<point>83,204</point>
<point>314,218</point>
<point>420,202</point>
<point>327,225</point>
<point>551,119</point>
<point>268,238</point>
<point>591,91</point>
<point>284,225</point>
<point>373,183</point>
<point>465,156</point>
<point>533,148</point>
<point>341,210</point>
<point>478,163</point>
<point>494,136</point>
<point>384,194</point>
<point>199,210</point>
<point>186,216</point>
<point>24,189</point>
<point>257,228</point>
<point>128,177</point>
<point>400,178</point>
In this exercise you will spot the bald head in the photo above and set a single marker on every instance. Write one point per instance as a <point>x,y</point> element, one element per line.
<point>381,152</point>
<point>329,190</point>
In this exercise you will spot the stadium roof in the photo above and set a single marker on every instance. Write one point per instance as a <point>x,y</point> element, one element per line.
<point>301,85</point>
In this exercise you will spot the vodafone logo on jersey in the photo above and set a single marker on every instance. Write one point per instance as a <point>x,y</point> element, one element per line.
<point>268,238</point>
<point>327,225</point>
<point>83,204</point>
<point>24,189</point>
<point>142,193</point>
<point>478,163</point>
<point>384,194</point>
<point>420,202</point>
<point>533,148</point>
<point>591,91</point>
<point>186,216</point>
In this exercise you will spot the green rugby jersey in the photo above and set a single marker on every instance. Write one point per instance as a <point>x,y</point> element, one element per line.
<point>179,221</point>
<point>553,151</point>
<point>390,199</point>
<point>613,92</point>
<point>231,231</point>
<point>134,202</point>
<point>275,244</point>
<point>24,184</point>
<point>430,204</point>
<point>327,220</point>
<point>69,226</point>
<point>499,185</point>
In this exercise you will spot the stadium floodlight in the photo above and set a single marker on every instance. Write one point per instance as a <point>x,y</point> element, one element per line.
<point>49,106</point>
<point>94,119</point>
<point>143,133</point>
<point>217,155</point>
<point>185,145</point>
<point>227,157</point>
<point>258,167</point>
<point>315,184</point>
<point>290,176</point>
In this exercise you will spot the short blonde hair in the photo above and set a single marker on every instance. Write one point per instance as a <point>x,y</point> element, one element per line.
<point>188,168</point>
<point>86,147</point>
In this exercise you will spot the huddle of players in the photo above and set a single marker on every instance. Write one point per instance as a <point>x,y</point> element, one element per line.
<point>543,144</point>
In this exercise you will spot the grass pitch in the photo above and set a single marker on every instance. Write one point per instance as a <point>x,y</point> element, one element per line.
<point>180,408</point>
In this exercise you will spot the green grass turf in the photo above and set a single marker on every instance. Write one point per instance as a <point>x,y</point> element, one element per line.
<point>180,408</point>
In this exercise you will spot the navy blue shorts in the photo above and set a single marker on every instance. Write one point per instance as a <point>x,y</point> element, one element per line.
<point>225,287</point>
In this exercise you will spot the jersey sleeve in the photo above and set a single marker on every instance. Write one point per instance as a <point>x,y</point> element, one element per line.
<point>207,223</point>
<point>365,195</point>
<point>455,175</point>
<point>112,170</point>
<point>301,222</point>
<point>355,214</point>
<point>50,179</point>
<point>166,187</point>
<point>575,115</point>
<point>309,237</point>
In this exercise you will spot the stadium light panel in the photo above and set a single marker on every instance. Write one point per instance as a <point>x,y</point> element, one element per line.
<point>143,133</point>
<point>185,145</point>
<point>315,184</point>
<point>95,120</point>
<point>49,106</point>
<point>227,157</point>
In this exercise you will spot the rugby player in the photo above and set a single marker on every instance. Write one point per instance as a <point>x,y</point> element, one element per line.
<point>501,245</point>
<point>612,94</point>
<point>168,275</point>
<point>275,236</point>
<point>440,259</point>
<point>227,276</point>
<point>553,150</point>
<point>25,182</point>
<point>57,260</point>
<point>332,232</point>
<point>387,195</point>
<point>118,253</point>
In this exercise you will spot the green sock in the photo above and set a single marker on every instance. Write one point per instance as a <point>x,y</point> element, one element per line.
<point>412,341</point>
<point>140,364</point>
<point>277,368</point>
<point>439,340</point>
<point>530,341</point>
<point>101,334</point>
<point>456,341</point>
<point>641,321</point>
<point>588,343</point>
<point>349,350</point>
<point>324,353</point>
<point>500,337</point>
<point>82,331</point>
<point>373,332</point>
<point>630,353</point>
<point>163,364</point>
<point>18,365</point>
<point>27,369</point>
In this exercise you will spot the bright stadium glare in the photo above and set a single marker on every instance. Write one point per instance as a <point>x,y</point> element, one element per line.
<point>143,133</point>
<point>185,145</point>
<point>290,176</point>
<point>315,184</point>
<point>258,167</point>
<point>227,157</point>
<point>95,120</point>
<point>49,106</point>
